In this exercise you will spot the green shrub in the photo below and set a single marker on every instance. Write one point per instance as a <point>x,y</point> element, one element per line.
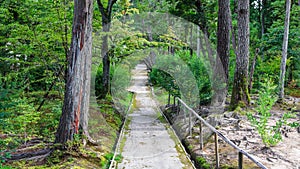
<point>202,162</point>
<point>195,65</point>
<point>270,135</point>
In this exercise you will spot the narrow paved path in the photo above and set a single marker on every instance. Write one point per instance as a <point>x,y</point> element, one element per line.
<point>148,141</point>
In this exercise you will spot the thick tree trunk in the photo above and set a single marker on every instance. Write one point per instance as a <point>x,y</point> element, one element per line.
<point>223,34</point>
<point>222,59</point>
<point>240,92</point>
<point>105,61</point>
<point>284,50</point>
<point>77,92</point>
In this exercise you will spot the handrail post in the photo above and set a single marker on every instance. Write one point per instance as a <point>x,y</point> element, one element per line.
<point>174,104</point>
<point>240,160</point>
<point>178,108</point>
<point>184,108</point>
<point>190,123</point>
<point>174,100</point>
<point>217,151</point>
<point>169,98</point>
<point>201,136</point>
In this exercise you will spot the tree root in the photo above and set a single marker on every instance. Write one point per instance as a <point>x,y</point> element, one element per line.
<point>34,155</point>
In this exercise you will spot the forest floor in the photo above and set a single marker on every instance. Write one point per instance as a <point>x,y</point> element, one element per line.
<point>286,154</point>
<point>236,126</point>
<point>40,153</point>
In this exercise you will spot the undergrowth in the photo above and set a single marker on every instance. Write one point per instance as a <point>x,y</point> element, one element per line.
<point>270,135</point>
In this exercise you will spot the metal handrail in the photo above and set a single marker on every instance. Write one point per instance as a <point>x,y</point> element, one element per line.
<point>217,133</point>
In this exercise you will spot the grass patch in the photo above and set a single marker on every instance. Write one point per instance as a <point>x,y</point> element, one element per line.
<point>202,162</point>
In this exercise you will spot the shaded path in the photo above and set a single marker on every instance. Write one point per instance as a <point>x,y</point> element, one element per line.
<point>148,141</point>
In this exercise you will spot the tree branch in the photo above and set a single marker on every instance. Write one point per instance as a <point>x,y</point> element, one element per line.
<point>109,6</point>
<point>102,10</point>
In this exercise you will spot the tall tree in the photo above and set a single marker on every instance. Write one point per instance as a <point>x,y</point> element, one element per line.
<point>77,90</point>
<point>222,60</point>
<point>240,92</point>
<point>284,50</point>
<point>223,34</point>
<point>106,19</point>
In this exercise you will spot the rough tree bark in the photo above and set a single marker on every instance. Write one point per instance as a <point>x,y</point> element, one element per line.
<point>77,90</point>
<point>240,92</point>
<point>106,19</point>
<point>284,50</point>
<point>222,59</point>
<point>223,34</point>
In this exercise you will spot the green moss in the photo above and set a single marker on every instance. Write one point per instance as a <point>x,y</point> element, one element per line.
<point>202,163</point>
<point>161,118</point>
<point>179,148</point>
<point>127,123</point>
<point>190,147</point>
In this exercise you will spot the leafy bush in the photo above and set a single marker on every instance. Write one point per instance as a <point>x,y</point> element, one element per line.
<point>195,65</point>
<point>270,135</point>
<point>19,118</point>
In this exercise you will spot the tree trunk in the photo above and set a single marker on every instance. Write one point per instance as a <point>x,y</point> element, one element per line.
<point>263,2</point>
<point>105,61</point>
<point>198,41</point>
<point>240,92</point>
<point>149,29</point>
<point>186,32</point>
<point>77,91</point>
<point>223,34</point>
<point>252,70</point>
<point>106,19</point>
<point>221,67</point>
<point>191,37</point>
<point>284,50</point>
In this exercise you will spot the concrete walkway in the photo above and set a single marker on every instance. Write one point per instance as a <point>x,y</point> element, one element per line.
<point>148,141</point>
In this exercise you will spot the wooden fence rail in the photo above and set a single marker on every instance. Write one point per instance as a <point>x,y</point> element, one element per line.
<point>217,135</point>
